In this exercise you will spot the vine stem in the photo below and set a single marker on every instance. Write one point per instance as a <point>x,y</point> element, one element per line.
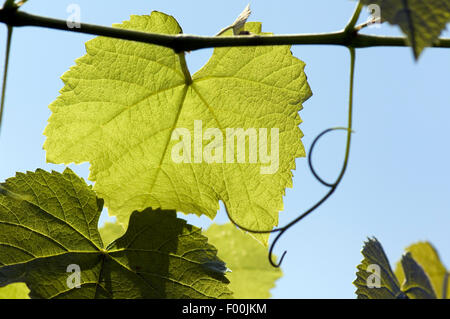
<point>350,27</point>
<point>183,42</point>
<point>5,72</point>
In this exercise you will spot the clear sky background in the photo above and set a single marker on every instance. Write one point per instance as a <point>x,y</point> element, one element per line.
<point>397,186</point>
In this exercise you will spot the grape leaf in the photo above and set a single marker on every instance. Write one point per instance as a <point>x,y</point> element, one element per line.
<point>124,103</point>
<point>251,275</point>
<point>110,232</point>
<point>421,21</point>
<point>417,284</point>
<point>15,291</point>
<point>412,272</point>
<point>428,258</point>
<point>375,256</point>
<point>48,224</point>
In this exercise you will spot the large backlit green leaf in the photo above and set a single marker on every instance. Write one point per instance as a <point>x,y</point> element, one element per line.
<point>428,258</point>
<point>110,232</point>
<point>123,102</point>
<point>422,21</point>
<point>14,291</point>
<point>48,224</point>
<point>251,275</point>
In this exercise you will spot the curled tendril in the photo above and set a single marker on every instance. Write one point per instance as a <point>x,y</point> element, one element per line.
<point>281,230</point>
<point>311,167</point>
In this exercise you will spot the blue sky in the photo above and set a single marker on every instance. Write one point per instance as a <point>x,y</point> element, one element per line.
<point>397,186</point>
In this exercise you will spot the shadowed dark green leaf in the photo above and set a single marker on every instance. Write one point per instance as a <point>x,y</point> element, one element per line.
<point>420,272</point>
<point>374,257</point>
<point>428,258</point>
<point>422,21</point>
<point>48,221</point>
<point>417,284</point>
